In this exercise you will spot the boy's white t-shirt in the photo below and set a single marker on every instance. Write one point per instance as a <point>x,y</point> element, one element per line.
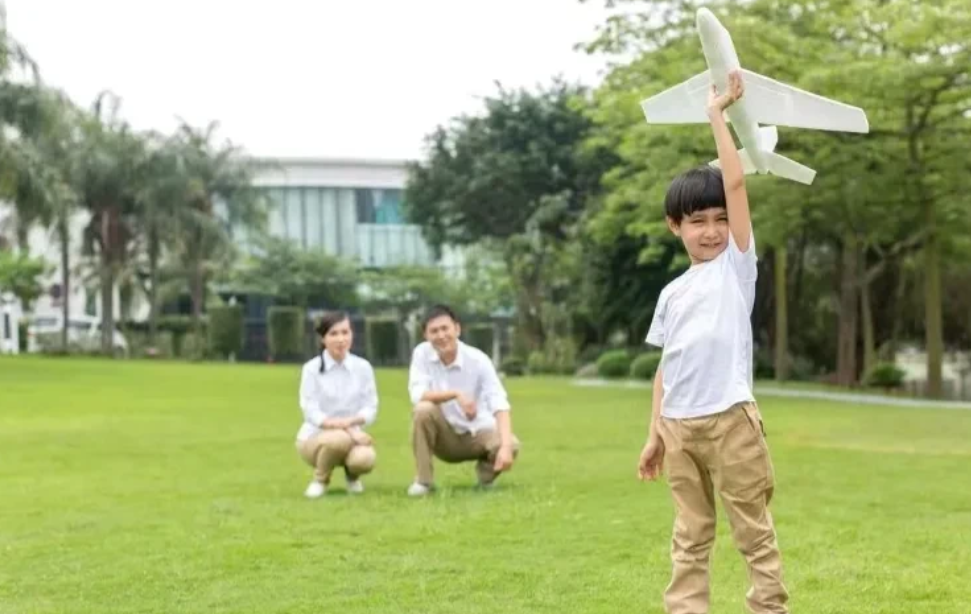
<point>702,322</point>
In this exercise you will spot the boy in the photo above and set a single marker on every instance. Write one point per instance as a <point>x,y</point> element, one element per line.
<point>706,430</point>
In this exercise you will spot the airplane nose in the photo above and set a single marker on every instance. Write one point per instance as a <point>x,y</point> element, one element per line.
<point>706,20</point>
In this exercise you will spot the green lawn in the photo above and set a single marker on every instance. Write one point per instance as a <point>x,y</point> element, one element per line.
<point>141,487</point>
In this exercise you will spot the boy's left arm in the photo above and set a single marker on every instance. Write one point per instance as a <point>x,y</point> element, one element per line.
<point>733,177</point>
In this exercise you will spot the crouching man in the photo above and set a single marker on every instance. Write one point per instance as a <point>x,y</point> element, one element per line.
<point>461,410</point>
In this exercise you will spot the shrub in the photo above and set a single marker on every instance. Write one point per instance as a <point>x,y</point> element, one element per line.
<point>588,371</point>
<point>226,330</point>
<point>614,364</point>
<point>645,366</point>
<point>22,335</point>
<point>885,375</point>
<point>561,355</point>
<point>590,354</point>
<point>179,327</point>
<point>537,363</point>
<point>285,328</point>
<point>480,336</point>
<point>382,340</point>
<point>513,366</point>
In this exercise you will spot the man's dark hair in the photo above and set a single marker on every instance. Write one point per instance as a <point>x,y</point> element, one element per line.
<point>438,311</point>
<point>695,190</point>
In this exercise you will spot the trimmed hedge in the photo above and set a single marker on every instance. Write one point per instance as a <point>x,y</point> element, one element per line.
<point>513,366</point>
<point>614,364</point>
<point>285,332</point>
<point>645,366</point>
<point>226,330</point>
<point>382,340</point>
<point>885,375</point>
<point>480,336</point>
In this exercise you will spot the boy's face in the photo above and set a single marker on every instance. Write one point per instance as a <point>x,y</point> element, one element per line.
<point>704,233</point>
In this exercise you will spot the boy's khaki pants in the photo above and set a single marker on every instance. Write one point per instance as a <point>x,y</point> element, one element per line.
<point>432,436</point>
<point>724,453</point>
<point>333,448</point>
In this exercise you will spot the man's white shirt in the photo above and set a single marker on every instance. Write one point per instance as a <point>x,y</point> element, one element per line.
<point>471,373</point>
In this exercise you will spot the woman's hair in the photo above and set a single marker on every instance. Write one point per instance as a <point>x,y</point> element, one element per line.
<point>324,323</point>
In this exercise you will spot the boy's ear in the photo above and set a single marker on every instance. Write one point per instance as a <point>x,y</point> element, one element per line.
<point>675,227</point>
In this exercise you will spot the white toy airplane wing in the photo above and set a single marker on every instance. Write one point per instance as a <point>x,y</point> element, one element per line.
<point>774,103</point>
<point>684,103</point>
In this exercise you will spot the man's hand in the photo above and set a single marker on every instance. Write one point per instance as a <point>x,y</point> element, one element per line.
<point>504,459</point>
<point>736,89</point>
<point>361,438</point>
<point>652,459</point>
<point>467,405</point>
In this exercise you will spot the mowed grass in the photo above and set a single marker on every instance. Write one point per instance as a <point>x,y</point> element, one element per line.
<point>154,487</point>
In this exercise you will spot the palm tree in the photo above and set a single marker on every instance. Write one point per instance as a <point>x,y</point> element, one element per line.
<point>165,188</point>
<point>21,117</point>
<point>43,190</point>
<point>220,196</point>
<point>105,172</point>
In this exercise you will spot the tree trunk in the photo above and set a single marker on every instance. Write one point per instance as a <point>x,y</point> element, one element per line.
<point>153,256</point>
<point>800,268</point>
<point>781,316</point>
<point>198,295</point>
<point>849,310</point>
<point>932,305</point>
<point>64,234</point>
<point>869,343</point>
<point>107,285</point>
<point>900,293</point>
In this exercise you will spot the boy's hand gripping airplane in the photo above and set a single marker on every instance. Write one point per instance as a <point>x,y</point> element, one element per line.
<point>765,101</point>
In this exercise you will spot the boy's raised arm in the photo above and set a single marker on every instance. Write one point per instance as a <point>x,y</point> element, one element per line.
<point>736,198</point>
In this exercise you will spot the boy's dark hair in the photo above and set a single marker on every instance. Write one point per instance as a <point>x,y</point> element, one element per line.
<point>324,323</point>
<point>695,190</point>
<point>438,311</point>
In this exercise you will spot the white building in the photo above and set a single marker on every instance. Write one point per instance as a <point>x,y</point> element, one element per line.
<point>347,208</point>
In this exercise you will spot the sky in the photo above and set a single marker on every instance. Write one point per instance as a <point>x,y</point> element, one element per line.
<point>306,78</point>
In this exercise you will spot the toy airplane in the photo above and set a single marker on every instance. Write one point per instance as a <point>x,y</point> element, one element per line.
<point>765,101</point>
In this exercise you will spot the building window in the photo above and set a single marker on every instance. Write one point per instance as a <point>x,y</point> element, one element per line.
<point>388,210</point>
<point>90,303</point>
<point>378,206</point>
<point>364,202</point>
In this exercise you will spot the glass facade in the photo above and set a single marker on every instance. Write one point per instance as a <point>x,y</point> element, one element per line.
<point>366,224</point>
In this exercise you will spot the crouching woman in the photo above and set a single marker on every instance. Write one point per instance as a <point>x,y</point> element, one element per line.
<point>339,400</point>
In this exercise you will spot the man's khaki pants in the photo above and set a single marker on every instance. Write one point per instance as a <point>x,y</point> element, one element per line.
<point>724,453</point>
<point>432,436</point>
<point>334,448</point>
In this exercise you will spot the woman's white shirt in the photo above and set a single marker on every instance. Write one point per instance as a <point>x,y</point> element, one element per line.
<point>343,390</point>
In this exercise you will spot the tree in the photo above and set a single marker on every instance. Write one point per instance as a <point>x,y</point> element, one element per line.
<point>299,277</point>
<point>44,183</point>
<point>860,214</point>
<point>105,173</point>
<point>219,196</point>
<point>20,275</point>
<point>514,174</point>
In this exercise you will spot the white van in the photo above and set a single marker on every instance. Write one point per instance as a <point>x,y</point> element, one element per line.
<point>83,332</point>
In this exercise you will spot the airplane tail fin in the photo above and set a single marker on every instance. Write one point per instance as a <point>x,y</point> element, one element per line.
<point>789,169</point>
<point>778,165</point>
<point>768,137</point>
